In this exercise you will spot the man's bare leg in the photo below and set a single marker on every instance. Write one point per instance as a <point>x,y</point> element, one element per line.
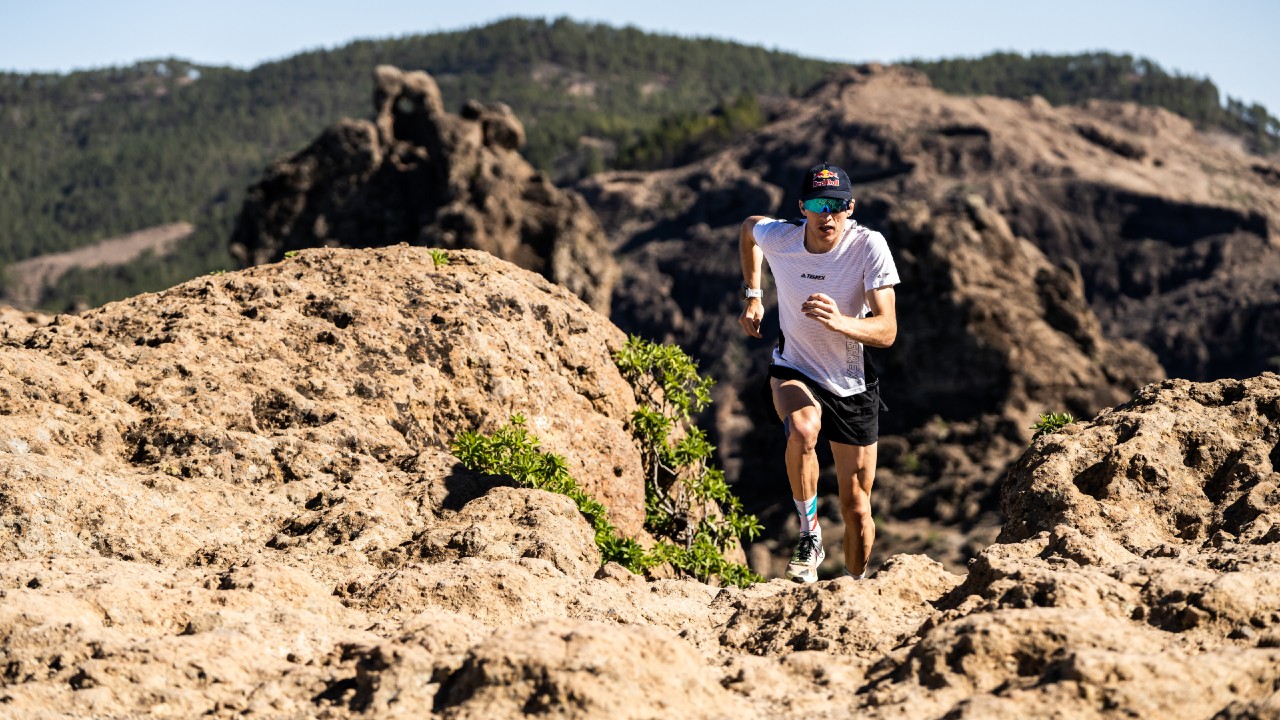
<point>802,418</point>
<point>855,474</point>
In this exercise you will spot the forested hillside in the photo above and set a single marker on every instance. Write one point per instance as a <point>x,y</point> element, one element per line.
<point>1065,79</point>
<point>95,154</point>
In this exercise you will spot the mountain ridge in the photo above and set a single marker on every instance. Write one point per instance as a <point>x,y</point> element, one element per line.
<point>78,173</point>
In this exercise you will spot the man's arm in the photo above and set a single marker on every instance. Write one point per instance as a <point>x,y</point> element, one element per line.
<point>752,262</point>
<point>879,329</point>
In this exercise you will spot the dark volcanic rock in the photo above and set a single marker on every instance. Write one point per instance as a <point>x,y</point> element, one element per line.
<point>1162,223</point>
<point>419,175</point>
<point>1035,244</point>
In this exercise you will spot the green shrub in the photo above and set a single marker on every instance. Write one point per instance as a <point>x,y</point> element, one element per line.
<point>439,257</point>
<point>682,489</point>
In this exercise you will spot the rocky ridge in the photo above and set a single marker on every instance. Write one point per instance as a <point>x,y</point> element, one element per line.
<point>1148,211</point>
<point>232,498</point>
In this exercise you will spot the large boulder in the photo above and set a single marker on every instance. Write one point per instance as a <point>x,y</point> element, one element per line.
<point>417,174</point>
<point>1182,467</point>
<point>1136,574</point>
<point>314,377</point>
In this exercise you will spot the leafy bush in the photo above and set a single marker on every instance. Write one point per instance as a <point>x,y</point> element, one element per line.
<point>1051,422</point>
<point>682,489</point>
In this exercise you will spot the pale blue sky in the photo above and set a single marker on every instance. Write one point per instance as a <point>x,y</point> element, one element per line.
<point>1232,42</point>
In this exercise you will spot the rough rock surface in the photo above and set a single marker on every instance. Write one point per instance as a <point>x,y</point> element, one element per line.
<point>189,380</point>
<point>417,174</point>
<point>1038,246</point>
<point>16,323</point>
<point>1204,459</point>
<point>231,499</point>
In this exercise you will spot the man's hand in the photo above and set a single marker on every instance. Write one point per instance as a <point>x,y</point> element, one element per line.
<point>822,308</point>
<point>751,316</point>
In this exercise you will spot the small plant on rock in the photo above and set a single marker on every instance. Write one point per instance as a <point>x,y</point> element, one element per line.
<point>439,257</point>
<point>1051,422</point>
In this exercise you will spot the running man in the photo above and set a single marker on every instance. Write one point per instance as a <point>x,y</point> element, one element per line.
<point>835,283</point>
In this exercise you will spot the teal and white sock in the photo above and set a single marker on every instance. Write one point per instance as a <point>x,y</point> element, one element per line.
<point>808,512</point>
<point>863,576</point>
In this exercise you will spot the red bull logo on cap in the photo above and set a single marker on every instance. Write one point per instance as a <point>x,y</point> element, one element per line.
<point>826,178</point>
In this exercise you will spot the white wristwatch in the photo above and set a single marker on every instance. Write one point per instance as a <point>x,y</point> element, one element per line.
<point>750,292</point>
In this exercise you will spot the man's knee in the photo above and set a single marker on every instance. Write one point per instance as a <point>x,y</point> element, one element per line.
<point>855,507</point>
<point>802,431</point>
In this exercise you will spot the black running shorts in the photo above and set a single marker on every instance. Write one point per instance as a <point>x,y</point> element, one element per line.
<point>853,420</point>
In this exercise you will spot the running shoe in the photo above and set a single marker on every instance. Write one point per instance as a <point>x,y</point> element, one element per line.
<point>803,567</point>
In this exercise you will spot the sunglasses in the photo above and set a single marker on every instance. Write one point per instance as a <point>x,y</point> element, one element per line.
<point>825,205</point>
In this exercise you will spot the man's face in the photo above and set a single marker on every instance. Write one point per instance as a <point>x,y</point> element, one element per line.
<point>826,222</point>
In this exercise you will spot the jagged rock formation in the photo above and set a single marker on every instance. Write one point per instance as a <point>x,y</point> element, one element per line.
<point>1104,225</point>
<point>231,499</point>
<point>419,175</point>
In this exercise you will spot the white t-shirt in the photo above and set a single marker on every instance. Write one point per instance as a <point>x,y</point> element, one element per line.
<point>860,262</point>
